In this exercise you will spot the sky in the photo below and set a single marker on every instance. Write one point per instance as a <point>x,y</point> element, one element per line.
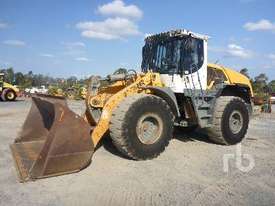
<point>63,38</point>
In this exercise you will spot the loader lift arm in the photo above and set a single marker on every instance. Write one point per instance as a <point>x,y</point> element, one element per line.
<point>137,85</point>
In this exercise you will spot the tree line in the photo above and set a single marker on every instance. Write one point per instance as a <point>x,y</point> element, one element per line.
<point>261,84</point>
<point>262,87</point>
<point>29,79</point>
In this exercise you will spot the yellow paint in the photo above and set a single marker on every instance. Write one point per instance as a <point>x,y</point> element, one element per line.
<point>233,77</point>
<point>109,97</point>
<point>83,92</point>
<point>7,85</point>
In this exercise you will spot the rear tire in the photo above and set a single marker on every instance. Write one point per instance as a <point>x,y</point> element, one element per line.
<point>142,126</point>
<point>8,95</point>
<point>230,120</point>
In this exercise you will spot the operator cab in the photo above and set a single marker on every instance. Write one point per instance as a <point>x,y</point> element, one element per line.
<point>180,57</point>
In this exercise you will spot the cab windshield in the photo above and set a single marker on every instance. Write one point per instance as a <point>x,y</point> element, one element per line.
<point>173,56</point>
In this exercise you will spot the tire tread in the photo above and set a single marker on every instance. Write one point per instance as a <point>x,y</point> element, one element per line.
<point>117,123</point>
<point>215,132</point>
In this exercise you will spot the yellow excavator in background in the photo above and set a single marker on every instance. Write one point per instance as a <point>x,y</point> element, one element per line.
<point>139,110</point>
<point>8,92</point>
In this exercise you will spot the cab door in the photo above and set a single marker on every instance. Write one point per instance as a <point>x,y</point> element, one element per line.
<point>192,69</point>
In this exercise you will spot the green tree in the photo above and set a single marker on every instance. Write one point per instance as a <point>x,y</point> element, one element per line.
<point>244,71</point>
<point>272,86</point>
<point>10,75</point>
<point>71,81</point>
<point>260,86</point>
<point>19,78</point>
<point>261,78</point>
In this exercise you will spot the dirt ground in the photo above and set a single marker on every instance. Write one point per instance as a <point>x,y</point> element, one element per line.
<point>189,172</point>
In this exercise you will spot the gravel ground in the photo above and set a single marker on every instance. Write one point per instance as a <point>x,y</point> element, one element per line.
<point>189,172</point>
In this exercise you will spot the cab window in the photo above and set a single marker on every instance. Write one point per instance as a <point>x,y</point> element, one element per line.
<point>193,55</point>
<point>214,75</point>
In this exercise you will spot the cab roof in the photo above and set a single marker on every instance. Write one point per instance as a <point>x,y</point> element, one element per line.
<point>176,33</point>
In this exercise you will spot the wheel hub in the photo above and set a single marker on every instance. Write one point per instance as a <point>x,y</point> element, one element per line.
<point>149,128</point>
<point>235,122</point>
<point>10,95</point>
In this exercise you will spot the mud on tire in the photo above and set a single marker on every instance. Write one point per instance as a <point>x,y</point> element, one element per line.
<point>130,120</point>
<point>230,120</point>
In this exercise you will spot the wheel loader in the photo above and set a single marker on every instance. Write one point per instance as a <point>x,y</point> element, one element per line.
<point>8,92</point>
<point>176,87</point>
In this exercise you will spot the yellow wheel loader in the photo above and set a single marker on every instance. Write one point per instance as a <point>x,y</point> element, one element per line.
<point>8,92</point>
<point>176,87</point>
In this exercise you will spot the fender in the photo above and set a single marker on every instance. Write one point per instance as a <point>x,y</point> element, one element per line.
<point>239,90</point>
<point>168,95</point>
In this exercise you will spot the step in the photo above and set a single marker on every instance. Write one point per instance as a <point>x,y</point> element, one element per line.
<point>182,123</point>
<point>208,125</point>
<point>204,106</point>
<point>208,116</point>
<point>209,97</point>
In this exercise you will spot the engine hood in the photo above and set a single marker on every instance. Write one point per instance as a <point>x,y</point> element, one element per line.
<point>7,85</point>
<point>234,77</point>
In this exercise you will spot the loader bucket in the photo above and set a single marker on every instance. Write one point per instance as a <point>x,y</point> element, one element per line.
<point>53,140</point>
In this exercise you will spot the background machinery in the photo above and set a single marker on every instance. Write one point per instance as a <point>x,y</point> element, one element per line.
<point>8,92</point>
<point>177,87</point>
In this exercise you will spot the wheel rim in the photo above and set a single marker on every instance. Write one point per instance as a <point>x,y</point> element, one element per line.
<point>235,122</point>
<point>149,128</point>
<point>10,95</point>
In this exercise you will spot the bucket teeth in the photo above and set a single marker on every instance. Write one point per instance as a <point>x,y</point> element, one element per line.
<point>53,141</point>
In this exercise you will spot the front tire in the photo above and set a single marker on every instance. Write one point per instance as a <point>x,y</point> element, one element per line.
<point>142,126</point>
<point>230,120</point>
<point>8,95</point>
